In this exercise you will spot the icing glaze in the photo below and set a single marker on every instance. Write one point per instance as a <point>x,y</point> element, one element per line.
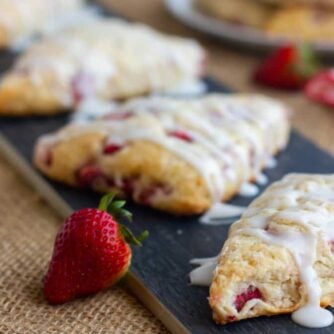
<point>110,47</point>
<point>213,151</point>
<point>218,127</point>
<point>219,211</point>
<point>41,18</point>
<point>307,202</point>
<point>248,189</point>
<point>190,87</point>
<point>261,179</point>
<point>202,276</point>
<point>271,162</point>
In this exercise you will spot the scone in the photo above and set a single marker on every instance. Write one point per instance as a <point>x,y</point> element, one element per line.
<point>279,256</point>
<point>21,19</point>
<point>234,11</point>
<point>176,155</point>
<point>105,58</point>
<point>303,23</point>
<point>296,20</point>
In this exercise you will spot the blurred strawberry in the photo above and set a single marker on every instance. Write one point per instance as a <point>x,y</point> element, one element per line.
<point>288,68</point>
<point>91,252</point>
<point>321,88</point>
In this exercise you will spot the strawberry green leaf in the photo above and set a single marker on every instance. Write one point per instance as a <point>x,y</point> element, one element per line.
<point>307,63</point>
<point>114,207</point>
<point>130,238</point>
<point>106,200</point>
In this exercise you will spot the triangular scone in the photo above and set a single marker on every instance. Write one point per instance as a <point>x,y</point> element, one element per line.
<point>279,256</point>
<point>234,11</point>
<point>105,58</point>
<point>177,155</point>
<point>298,22</point>
<point>20,20</point>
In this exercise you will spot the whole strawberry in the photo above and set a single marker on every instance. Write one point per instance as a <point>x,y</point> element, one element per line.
<point>91,252</point>
<point>320,88</point>
<point>288,68</point>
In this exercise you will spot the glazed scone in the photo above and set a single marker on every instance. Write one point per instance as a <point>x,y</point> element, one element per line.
<point>296,20</point>
<point>234,11</point>
<point>19,19</point>
<point>279,256</point>
<point>106,58</point>
<point>176,155</point>
<point>302,22</point>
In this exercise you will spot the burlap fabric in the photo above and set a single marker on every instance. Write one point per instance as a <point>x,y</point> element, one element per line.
<point>27,231</point>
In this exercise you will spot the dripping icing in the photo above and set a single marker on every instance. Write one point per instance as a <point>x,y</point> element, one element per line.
<point>305,202</point>
<point>219,211</point>
<point>202,275</point>
<point>215,153</point>
<point>248,189</point>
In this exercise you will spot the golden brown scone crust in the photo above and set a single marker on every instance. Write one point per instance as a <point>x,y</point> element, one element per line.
<point>158,172</point>
<point>303,23</point>
<point>106,58</point>
<point>298,20</point>
<point>248,263</point>
<point>234,11</point>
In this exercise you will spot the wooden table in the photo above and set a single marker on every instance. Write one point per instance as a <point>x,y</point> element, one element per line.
<point>233,67</point>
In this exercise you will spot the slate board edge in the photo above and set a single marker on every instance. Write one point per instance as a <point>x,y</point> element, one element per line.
<point>56,202</point>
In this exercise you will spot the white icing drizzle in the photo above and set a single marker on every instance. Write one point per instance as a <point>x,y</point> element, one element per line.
<point>261,179</point>
<point>248,190</point>
<point>305,200</point>
<point>40,18</point>
<point>110,48</point>
<point>202,276</point>
<point>271,162</point>
<point>91,109</point>
<point>189,87</point>
<point>219,211</point>
<point>219,126</point>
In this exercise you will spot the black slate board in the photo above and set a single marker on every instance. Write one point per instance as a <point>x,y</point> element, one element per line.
<point>163,264</point>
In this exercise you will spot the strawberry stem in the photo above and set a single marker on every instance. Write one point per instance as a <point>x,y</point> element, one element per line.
<point>130,238</point>
<point>307,62</point>
<point>114,207</point>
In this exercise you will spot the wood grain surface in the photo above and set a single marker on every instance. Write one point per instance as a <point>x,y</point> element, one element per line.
<point>234,67</point>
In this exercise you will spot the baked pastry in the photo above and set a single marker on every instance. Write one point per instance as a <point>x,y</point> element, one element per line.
<point>234,11</point>
<point>279,256</point>
<point>298,20</point>
<point>302,22</point>
<point>106,58</point>
<point>21,19</point>
<point>176,155</point>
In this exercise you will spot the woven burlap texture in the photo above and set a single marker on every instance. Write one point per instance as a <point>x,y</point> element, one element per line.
<point>27,231</point>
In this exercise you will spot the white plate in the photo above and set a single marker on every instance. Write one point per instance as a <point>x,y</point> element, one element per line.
<point>186,12</point>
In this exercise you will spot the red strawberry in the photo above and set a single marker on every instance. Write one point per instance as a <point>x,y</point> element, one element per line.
<point>289,67</point>
<point>181,135</point>
<point>82,85</point>
<point>321,88</point>
<point>91,252</point>
<point>112,148</point>
<point>251,293</point>
<point>87,174</point>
